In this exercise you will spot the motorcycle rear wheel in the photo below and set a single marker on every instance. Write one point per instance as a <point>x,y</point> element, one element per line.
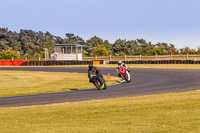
<point>126,78</point>
<point>97,84</point>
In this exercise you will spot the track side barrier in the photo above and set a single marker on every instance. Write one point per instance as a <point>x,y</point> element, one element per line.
<point>13,63</point>
<point>54,63</point>
<point>159,62</point>
<point>74,62</point>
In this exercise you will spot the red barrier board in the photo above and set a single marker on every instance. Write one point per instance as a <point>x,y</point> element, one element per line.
<point>12,63</point>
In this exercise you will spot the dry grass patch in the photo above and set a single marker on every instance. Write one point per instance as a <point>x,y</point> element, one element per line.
<point>13,83</point>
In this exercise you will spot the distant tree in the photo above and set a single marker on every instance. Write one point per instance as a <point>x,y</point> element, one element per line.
<point>108,46</point>
<point>198,50</point>
<point>118,46</point>
<point>30,44</point>
<point>72,39</point>
<point>187,50</point>
<point>100,51</point>
<point>9,54</point>
<point>141,41</point>
<point>121,53</point>
<point>95,43</point>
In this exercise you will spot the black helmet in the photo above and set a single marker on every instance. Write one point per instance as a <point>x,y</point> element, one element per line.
<point>90,66</point>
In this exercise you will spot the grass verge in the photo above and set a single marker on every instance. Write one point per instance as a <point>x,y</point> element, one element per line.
<point>176,112</point>
<point>13,83</point>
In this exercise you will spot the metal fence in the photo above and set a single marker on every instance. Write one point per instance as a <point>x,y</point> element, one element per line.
<point>127,58</point>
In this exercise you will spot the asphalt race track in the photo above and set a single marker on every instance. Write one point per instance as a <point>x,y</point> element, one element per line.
<point>144,82</point>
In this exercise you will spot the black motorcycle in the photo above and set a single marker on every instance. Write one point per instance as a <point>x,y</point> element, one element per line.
<point>99,82</point>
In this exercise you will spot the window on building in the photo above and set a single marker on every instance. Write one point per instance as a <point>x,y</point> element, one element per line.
<point>68,50</point>
<point>65,50</point>
<point>73,50</point>
<point>62,50</point>
<point>79,50</point>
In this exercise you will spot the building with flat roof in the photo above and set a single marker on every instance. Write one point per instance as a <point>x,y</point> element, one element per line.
<point>67,52</point>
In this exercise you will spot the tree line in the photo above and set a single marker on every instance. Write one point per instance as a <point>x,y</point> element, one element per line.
<point>31,44</point>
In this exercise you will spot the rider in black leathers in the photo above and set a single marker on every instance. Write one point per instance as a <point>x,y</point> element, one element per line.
<point>93,71</point>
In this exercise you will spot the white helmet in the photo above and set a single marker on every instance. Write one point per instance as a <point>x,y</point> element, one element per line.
<point>119,62</point>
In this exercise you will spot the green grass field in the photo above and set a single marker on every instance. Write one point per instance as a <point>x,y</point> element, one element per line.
<point>173,113</point>
<point>13,83</point>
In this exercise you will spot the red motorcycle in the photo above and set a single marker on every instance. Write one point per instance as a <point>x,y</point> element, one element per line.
<point>124,74</point>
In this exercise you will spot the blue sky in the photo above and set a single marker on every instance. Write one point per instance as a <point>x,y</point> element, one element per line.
<point>171,21</point>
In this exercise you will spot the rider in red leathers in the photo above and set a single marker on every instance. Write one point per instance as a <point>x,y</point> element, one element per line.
<point>121,64</point>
